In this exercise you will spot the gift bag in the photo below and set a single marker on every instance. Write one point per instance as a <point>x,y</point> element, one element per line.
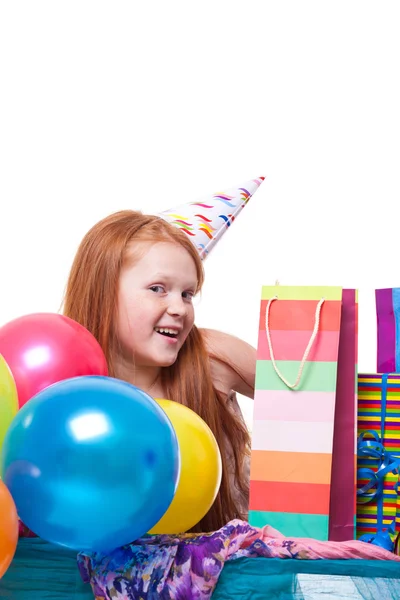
<point>306,354</point>
<point>378,450</point>
<point>343,506</point>
<point>397,541</point>
<point>387,302</point>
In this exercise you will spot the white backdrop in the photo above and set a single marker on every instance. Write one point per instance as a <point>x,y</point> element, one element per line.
<point>111,105</point>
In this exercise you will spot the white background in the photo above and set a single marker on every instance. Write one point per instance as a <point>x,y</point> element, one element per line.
<point>147,105</point>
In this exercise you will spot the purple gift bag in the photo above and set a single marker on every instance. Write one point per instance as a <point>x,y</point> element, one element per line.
<point>388,330</point>
<point>343,476</point>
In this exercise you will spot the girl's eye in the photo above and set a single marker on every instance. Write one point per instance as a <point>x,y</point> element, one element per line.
<point>158,289</point>
<point>188,296</point>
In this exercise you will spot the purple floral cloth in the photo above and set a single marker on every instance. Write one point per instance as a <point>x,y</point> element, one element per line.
<point>188,567</point>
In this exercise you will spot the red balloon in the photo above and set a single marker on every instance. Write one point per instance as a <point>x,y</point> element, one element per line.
<point>44,348</point>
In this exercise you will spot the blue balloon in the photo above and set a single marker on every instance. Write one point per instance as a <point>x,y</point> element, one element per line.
<point>91,462</point>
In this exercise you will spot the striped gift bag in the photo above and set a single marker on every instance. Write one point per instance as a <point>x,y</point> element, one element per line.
<point>397,546</point>
<point>294,479</point>
<point>378,457</point>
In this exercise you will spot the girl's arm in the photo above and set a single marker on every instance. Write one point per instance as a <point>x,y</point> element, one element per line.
<point>233,362</point>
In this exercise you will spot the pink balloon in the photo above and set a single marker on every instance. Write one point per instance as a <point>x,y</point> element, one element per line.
<point>44,348</point>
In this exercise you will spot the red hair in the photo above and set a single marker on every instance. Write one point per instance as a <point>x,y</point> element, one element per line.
<point>91,300</point>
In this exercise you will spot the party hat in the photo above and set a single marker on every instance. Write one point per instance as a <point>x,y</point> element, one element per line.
<point>206,220</point>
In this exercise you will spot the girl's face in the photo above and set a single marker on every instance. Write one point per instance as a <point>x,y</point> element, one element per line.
<point>155,309</point>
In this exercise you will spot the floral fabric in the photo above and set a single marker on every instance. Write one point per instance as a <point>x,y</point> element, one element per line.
<point>187,567</point>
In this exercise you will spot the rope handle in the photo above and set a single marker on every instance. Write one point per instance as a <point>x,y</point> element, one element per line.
<point>307,350</point>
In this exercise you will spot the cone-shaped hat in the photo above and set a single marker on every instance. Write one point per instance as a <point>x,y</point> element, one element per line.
<point>206,220</point>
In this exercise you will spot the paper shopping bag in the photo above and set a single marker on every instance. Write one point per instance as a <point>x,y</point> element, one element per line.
<point>378,449</point>
<point>343,507</point>
<point>294,479</point>
<point>387,302</point>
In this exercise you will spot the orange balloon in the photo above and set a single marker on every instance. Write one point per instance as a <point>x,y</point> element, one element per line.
<point>8,529</point>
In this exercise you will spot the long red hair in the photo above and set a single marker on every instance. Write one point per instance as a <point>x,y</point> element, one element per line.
<point>91,300</point>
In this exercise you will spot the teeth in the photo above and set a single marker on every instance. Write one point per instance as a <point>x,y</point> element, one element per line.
<point>163,330</point>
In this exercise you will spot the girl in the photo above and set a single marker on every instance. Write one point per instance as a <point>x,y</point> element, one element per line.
<point>131,285</point>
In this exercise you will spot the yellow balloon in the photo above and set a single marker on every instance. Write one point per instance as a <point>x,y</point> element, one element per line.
<point>8,399</point>
<point>201,470</point>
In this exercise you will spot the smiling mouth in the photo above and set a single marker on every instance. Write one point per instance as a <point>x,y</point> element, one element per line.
<point>166,332</point>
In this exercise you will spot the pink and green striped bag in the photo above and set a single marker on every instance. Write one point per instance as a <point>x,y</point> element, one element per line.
<point>303,461</point>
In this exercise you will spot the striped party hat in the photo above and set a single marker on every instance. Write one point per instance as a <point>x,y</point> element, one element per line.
<point>206,220</point>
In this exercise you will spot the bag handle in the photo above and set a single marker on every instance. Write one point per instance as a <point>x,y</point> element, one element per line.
<point>307,350</point>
